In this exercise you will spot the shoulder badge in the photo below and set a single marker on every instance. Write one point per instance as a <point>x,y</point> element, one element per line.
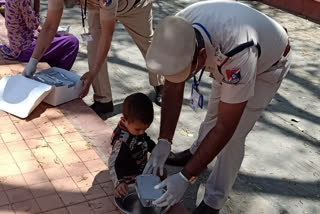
<point>233,75</point>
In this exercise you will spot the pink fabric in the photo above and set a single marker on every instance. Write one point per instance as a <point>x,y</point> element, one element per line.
<point>21,23</point>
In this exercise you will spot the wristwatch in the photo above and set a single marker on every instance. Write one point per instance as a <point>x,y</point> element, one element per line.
<point>187,176</point>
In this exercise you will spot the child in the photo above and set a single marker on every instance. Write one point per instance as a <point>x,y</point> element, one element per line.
<point>22,23</point>
<point>130,142</point>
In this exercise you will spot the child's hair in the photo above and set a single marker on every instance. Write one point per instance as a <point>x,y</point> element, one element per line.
<point>138,107</point>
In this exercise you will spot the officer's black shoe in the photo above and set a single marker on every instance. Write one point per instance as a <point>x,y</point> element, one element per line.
<point>179,159</point>
<point>158,89</point>
<point>102,108</point>
<point>204,209</point>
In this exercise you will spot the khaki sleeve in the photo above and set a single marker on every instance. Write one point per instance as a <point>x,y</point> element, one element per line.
<point>108,9</point>
<point>91,4</point>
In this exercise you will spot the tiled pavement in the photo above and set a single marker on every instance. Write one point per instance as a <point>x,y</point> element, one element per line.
<point>46,166</point>
<point>49,162</point>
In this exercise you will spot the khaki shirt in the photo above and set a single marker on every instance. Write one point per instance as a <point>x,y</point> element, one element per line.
<point>111,8</point>
<point>92,4</point>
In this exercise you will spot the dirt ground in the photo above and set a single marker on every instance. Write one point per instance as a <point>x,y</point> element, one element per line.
<point>281,169</point>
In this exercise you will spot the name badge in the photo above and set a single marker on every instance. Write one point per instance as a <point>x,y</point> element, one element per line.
<point>196,98</point>
<point>86,37</point>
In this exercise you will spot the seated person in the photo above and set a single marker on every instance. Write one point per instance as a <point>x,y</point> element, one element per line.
<point>130,143</point>
<point>22,22</point>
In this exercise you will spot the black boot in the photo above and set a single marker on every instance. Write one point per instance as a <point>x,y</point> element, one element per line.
<point>102,108</point>
<point>158,89</point>
<point>204,209</point>
<point>179,159</point>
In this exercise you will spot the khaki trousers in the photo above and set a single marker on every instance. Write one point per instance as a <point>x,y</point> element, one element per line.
<point>229,160</point>
<point>138,23</point>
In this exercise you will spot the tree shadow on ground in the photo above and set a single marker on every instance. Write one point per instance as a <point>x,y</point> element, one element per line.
<point>43,197</point>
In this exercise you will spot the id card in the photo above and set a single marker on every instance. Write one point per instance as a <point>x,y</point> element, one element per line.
<point>86,37</point>
<point>196,98</point>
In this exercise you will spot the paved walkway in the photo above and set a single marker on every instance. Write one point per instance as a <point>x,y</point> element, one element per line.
<point>46,166</point>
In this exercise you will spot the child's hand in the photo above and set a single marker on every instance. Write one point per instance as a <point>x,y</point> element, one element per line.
<point>121,190</point>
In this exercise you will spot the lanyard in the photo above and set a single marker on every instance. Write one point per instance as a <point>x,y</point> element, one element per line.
<point>83,14</point>
<point>197,82</point>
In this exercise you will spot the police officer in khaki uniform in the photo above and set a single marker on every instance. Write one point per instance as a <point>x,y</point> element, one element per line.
<point>136,16</point>
<point>248,54</point>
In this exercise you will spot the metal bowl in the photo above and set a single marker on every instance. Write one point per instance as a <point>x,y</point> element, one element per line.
<point>132,205</point>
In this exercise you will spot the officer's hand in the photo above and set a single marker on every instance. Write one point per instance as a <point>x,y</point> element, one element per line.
<point>30,68</point>
<point>158,157</point>
<point>176,187</point>
<point>87,80</point>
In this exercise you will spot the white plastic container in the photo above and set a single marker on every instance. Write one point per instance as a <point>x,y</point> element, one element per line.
<point>63,94</point>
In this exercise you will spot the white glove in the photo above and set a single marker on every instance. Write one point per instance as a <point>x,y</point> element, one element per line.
<point>176,186</point>
<point>31,67</point>
<point>158,157</point>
